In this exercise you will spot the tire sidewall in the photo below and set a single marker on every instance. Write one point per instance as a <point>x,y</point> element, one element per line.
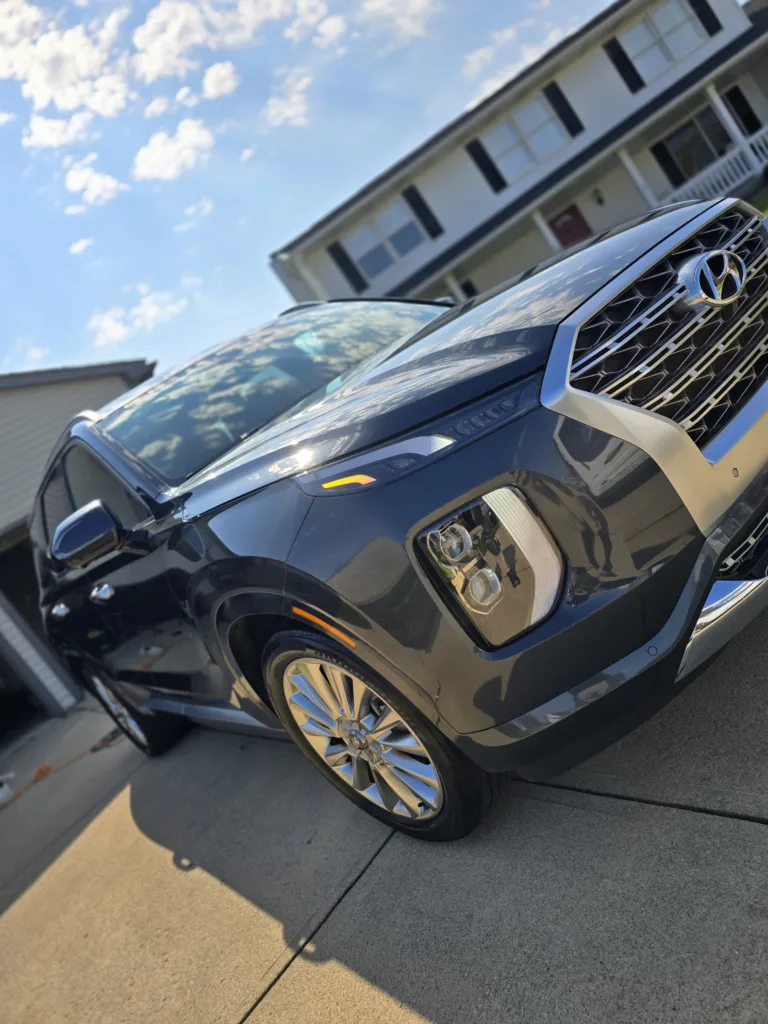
<point>466,793</point>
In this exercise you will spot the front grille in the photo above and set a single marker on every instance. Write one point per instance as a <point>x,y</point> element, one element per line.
<point>648,348</point>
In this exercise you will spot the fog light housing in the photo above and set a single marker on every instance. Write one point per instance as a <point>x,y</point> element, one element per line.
<point>496,563</point>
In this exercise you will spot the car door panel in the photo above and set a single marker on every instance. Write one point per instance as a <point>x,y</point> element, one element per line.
<point>122,612</point>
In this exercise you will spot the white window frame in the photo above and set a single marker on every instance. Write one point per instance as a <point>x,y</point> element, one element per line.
<point>660,39</point>
<point>383,238</point>
<point>524,137</point>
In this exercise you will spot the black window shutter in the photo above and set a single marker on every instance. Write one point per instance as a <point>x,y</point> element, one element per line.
<point>563,109</point>
<point>343,261</point>
<point>486,166</point>
<point>706,16</point>
<point>667,164</point>
<point>742,109</point>
<point>422,211</point>
<point>624,65</point>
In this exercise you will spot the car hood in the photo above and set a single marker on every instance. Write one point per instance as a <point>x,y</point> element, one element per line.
<point>482,345</point>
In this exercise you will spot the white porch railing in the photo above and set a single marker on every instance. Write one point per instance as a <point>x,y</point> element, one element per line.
<point>759,144</point>
<point>722,178</point>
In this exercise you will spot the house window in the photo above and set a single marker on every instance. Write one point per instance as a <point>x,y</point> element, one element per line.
<point>692,147</point>
<point>392,233</point>
<point>530,136</point>
<point>668,33</point>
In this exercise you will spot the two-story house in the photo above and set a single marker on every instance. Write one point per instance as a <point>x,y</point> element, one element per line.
<point>649,103</point>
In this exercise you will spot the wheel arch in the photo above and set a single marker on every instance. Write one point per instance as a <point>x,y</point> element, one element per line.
<point>244,632</point>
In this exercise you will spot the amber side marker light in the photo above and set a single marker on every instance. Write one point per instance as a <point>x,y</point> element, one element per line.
<point>361,479</point>
<point>324,625</point>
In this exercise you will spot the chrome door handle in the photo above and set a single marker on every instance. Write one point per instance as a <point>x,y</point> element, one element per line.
<point>102,592</point>
<point>60,610</point>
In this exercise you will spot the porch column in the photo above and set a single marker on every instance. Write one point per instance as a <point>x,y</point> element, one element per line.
<point>548,234</point>
<point>639,181</point>
<point>454,287</point>
<point>734,129</point>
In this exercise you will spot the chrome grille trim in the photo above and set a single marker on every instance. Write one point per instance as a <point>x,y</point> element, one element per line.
<point>658,356</point>
<point>703,478</point>
<point>674,360</point>
<point>581,366</point>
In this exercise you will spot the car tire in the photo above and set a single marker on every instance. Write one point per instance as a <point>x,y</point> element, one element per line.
<point>362,752</point>
<point>153,733</point>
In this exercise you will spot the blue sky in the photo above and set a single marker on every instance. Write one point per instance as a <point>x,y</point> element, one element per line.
<point>153,154</point>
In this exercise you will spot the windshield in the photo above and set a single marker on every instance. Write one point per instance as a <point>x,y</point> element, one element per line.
<point>196,414</point>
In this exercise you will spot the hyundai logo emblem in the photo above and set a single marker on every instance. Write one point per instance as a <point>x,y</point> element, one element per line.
<point>714,279</point>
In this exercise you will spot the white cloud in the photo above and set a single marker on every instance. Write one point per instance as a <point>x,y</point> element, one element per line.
<point>329,31</point>
<point>156,308</point>
<point>52,132</point>
<point>166,156</point>
<point>406,19</point>
<point>308,14</point>
<point>109,94</point>
<point>246,155</point>
<point>96,188</point>
<point>288,104</point>
<point>80,246</point>
<point>109,328</point>
<point>36,353</point>
<point>6,118</point>
<point>156,107</point>
<point>190,281</point>
<point>173,28</point>
<point>187,97</point>
<point>117,324</point>
<point>200,209</point>
<point>479,59</point>
<point>220,80</point>
<point>74,209</point>
<point>528,55</point>
<point>186,225</point>
<point>70,68</point>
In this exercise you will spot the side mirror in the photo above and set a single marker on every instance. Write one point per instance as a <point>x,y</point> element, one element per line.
<point>86,535</point>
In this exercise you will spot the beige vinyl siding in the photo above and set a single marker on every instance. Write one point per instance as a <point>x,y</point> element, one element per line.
<point>31,421</point>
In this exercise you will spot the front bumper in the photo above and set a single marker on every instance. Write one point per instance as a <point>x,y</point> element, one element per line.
<point>730,606</point>
<point>583,720</point>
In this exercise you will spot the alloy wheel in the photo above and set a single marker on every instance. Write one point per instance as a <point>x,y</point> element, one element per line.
<point>362,739</point>
<point>120,712</point>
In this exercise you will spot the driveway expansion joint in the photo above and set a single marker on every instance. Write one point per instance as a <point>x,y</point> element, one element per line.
<point>649,801</point>
<point>305,942</point>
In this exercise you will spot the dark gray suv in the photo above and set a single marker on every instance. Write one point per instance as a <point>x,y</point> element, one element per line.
<point>433,544</point>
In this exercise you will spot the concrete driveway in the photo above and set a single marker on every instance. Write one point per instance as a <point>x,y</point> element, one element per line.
<point>228,882</point>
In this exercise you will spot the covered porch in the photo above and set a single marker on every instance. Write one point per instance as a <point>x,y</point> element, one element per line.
<point>712,143</point>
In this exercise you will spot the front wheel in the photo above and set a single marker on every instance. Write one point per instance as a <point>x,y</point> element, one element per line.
<point>371,743</point>
<point>152,734</point>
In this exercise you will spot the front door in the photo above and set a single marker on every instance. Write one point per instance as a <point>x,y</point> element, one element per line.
<point>121,611</point>
<point>570,227</point>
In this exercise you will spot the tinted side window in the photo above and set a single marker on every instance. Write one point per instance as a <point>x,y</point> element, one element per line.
<point>56,503</point>
<point>89,479</point>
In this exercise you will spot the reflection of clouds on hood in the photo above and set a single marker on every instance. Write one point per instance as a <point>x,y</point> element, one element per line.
<point>193,415</point>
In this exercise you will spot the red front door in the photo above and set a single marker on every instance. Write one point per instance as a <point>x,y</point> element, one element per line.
<point>570,227</point>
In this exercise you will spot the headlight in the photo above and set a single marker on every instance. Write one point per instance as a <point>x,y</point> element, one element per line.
<point>497,563</point>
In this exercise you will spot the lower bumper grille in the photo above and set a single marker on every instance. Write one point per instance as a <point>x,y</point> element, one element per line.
<point>749,558</point>
<point>651,350</point>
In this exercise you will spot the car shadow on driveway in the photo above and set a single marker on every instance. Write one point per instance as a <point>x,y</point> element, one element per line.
<point>562,906</point>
